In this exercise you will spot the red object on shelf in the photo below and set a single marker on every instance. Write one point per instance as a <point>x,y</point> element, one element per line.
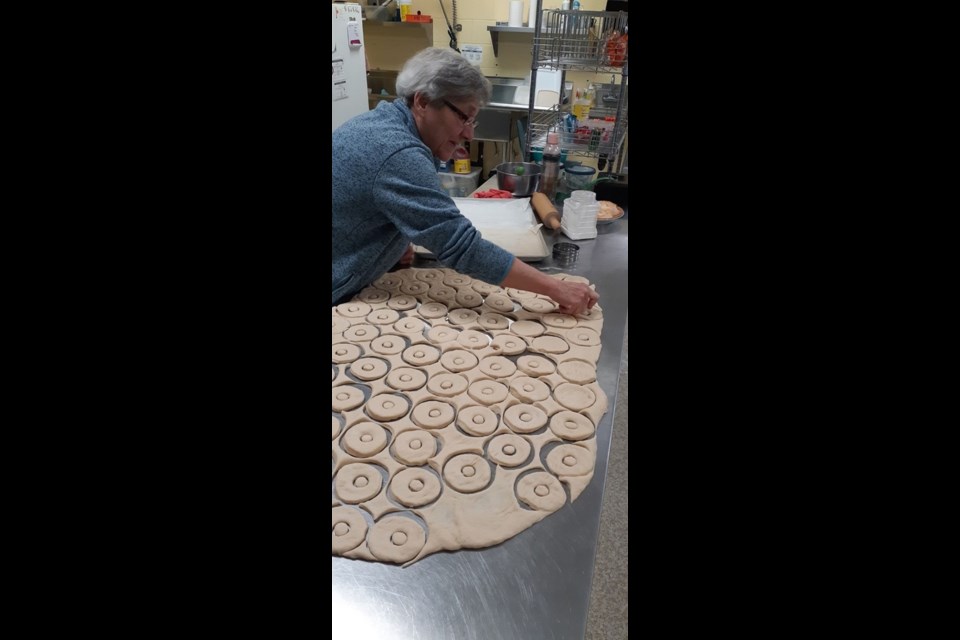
<point>616,49</point>
<point>418,18</point>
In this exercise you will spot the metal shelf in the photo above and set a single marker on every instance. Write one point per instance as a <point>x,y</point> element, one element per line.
<point>580,41</point>
<point>577,41</point>
<point>496,30</point>
<point>602,140</point>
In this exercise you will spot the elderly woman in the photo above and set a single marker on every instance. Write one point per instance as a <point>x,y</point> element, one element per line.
<point>387,195</point>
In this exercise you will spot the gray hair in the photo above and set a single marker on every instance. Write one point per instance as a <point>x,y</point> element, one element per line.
<point>441,74</point>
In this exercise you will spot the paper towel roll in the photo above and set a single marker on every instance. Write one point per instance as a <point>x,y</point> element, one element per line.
<point>516,13</point>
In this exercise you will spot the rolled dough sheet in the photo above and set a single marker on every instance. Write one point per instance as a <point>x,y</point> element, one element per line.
<point>458,421</point>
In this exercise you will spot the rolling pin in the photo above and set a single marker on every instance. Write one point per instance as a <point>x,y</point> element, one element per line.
<point>545,210</point>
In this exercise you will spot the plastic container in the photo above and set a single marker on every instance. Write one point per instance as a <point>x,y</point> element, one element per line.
<point>405,6</point>
<point>460,185</point>
<point>461,161</point>
<point>579,177</point>
<point>579,219</point>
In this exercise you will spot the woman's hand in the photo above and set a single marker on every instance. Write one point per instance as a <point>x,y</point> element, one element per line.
<point>407,259</point>
<point>574,297</point>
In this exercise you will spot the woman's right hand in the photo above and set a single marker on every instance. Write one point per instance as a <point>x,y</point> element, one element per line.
<point>574,298</point>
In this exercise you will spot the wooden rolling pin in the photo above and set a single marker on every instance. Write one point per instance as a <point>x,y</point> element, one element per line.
<point>545,210</point>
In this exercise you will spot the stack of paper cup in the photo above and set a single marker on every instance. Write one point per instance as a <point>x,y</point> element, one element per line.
<point>532,19</point>
<point>579,219</point>
<point>516,13</point>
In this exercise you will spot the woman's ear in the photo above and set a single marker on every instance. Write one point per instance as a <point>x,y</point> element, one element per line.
<point>420,102</point>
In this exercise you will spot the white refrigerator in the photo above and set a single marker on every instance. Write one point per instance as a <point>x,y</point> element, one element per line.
<point>349,63</point>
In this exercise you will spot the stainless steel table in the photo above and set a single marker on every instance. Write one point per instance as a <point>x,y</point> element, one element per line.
<point>534,585</point>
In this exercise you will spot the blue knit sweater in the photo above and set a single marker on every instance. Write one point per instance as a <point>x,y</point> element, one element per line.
<point>386,194</point>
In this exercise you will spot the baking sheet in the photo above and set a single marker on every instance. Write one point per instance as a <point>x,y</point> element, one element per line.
<point>508,223</point>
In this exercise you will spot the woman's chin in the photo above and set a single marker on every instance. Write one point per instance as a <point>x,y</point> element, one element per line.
<point>448,151</point>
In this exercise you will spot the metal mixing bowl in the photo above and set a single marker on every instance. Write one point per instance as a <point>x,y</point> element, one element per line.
<point>522,184</point>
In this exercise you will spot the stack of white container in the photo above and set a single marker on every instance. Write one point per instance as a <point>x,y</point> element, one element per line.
<point>579,220</point>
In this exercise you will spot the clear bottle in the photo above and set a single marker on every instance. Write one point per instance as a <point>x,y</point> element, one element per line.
<point>551,165</point>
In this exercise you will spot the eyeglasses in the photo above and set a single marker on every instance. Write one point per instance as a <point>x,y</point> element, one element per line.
<point>467,121</point>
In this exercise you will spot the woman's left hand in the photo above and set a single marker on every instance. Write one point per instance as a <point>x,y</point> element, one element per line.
<point>407,259</point>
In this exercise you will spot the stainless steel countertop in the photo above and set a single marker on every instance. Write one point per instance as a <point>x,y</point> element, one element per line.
<point>534,585</point>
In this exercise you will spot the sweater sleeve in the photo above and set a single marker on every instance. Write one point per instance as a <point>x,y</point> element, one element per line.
<point>407,191</point>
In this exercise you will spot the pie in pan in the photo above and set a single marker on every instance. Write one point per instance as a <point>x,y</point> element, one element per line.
<point>608,211</point>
